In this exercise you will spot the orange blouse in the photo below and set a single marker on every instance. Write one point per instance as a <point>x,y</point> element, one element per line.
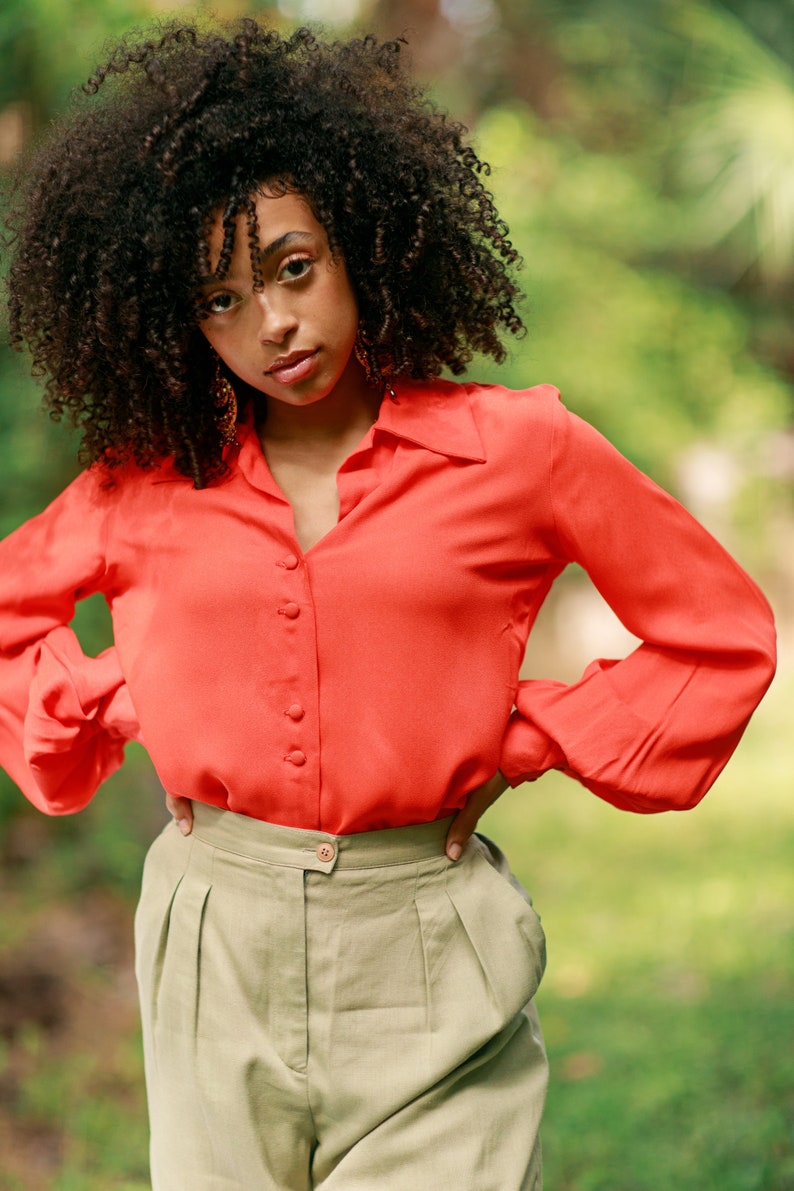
<point>373,681</point>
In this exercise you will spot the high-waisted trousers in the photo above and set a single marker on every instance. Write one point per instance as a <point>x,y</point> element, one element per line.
<point>345,1013</point>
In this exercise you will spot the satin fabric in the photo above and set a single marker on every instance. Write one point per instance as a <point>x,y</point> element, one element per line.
<point>373,681</point>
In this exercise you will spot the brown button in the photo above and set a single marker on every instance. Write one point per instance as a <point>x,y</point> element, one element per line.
<point>295,711</point>
<point>326,851</point>
<point>291,611</point>
<point>290,562</point>
<point>296,757</point>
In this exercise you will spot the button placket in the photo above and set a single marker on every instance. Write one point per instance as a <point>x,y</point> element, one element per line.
<point>291,611</point>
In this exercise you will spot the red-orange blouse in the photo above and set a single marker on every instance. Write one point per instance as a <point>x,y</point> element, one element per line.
<point>373,681</point>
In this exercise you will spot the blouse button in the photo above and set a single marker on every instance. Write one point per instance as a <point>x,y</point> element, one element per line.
<point>290,562</point>
<point>295,711</point>
<point>291,611</point>
<point>296,757</point>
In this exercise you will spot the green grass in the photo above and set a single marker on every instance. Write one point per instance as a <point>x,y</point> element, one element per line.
<point>668,1003</point>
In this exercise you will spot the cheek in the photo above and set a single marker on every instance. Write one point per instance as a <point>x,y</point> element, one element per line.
<point>341,299</point>
<point>208,333</point>
<point>346,308</point>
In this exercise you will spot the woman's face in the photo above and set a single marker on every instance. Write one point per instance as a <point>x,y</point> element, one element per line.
<point>293,340</point>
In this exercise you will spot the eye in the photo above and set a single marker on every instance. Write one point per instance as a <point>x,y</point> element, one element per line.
<point>219,303</point>
<point>295,268</point>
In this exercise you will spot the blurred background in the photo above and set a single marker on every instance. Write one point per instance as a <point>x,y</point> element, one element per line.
<point>643,157</point>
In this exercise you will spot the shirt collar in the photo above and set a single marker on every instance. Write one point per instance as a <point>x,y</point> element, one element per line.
<point>434,414</point>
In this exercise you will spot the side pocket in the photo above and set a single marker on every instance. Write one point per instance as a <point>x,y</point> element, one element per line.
<point>501,922</point>
<point>529,923</point>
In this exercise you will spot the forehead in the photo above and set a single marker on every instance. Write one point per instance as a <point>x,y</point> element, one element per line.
<point>276,215</point>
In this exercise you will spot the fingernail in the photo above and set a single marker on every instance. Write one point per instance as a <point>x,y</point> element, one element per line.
<point>183,826</point>
<point>454,851</point>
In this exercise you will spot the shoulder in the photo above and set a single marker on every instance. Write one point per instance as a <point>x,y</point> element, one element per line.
<point>511,424</point>
<point>515,422</point>
<point>536,418</point>
<point>535,406</point>
<point>117,479</point>
<point>506,424</point>
<point>537,400</point>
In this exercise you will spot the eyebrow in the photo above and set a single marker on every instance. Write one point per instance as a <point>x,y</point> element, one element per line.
<point>269,250</point>
<point>281,242</point>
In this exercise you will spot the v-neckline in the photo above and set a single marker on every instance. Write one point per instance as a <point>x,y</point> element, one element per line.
<point>363,443</point>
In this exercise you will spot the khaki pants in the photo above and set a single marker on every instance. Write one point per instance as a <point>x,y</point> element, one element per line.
<point>341,1013</point>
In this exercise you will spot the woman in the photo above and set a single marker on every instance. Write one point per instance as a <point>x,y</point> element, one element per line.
<point>244,265</point>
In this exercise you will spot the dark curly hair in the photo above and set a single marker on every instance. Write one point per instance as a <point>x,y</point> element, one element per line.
<point>113,211</point>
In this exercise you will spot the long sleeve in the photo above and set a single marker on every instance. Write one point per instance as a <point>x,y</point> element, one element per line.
<point>64,717</point>
<point>263,676</point>
<point>652,731</point>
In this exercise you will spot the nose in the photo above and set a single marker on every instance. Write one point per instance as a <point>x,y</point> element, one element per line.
<point>276,317</point>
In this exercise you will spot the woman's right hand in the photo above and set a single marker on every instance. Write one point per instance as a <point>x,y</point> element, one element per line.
<point>182,810</point>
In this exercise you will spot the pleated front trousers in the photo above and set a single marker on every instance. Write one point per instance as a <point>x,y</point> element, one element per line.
<point>345,1013</point>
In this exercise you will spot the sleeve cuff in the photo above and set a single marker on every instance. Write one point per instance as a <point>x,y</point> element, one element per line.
<point>528,752</point>
<point>78,720</point>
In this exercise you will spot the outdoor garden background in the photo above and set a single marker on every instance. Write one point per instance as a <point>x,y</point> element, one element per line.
<point>643,156</point>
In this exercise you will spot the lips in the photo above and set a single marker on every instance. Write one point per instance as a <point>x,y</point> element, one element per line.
<point>294,367</point>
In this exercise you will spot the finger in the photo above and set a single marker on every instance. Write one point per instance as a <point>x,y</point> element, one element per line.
<point>182,810</point>
<point>463,825</point>
<point>468,816</point>
<point>459,835</point>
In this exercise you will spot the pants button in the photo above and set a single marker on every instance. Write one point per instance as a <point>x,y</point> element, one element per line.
<point>326,852</point>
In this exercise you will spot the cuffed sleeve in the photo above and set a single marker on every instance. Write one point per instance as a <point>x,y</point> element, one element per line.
<point>652,731</point>
<point>64,717</point>
<point>78,720</point>
<point>527,751</point>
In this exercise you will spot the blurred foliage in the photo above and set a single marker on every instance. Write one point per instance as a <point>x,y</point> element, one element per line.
<point>643,157</point>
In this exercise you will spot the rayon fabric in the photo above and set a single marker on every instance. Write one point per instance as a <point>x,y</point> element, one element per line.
<point>338,1024</point>
<point>261,679</point>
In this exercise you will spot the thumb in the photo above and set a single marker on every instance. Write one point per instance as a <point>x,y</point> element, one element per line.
<point>182,810</point>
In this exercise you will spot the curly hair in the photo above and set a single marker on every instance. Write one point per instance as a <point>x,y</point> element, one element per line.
<point>113,212</point>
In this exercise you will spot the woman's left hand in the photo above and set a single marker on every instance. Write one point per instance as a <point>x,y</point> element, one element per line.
<point>468,816</point>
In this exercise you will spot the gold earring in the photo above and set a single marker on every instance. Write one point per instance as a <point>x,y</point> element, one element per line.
<point>224,399</point>
<point>363,349</point>
<point>377,375</point>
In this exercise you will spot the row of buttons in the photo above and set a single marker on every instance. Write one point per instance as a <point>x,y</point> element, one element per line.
<point>295,711</point>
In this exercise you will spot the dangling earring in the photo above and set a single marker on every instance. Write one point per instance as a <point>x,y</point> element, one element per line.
<point>224,399</point>
<point>377,377</point>
<point>363,349</point>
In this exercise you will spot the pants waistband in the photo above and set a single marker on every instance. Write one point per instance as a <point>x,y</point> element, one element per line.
<point>296,847</point>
